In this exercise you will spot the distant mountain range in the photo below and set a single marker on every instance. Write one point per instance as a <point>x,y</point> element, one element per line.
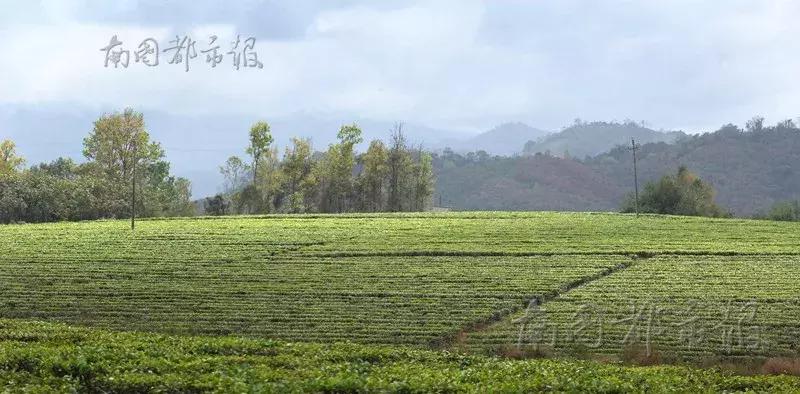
<point>590,139</point>
<point>579,140</point>
<point>504,140</point>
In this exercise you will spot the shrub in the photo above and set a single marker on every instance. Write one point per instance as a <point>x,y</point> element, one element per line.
<point>788,211</point>
<point>680,194</point>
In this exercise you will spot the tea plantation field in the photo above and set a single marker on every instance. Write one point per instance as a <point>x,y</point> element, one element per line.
<point>654,289</point>
<point>680,307</point>
<point>52,357</point>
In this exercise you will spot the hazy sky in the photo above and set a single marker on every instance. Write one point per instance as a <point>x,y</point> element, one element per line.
<point>457,65</point>
<point>453,66</point>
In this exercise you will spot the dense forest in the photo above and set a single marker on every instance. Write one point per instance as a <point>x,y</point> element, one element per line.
<point>751,169</point>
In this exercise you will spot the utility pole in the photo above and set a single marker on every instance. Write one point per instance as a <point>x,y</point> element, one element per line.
<point>133,182</point>
<point>635,177</point>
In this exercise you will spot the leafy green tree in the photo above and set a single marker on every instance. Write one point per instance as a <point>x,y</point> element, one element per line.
<point>785,211</point>
<point>373,177</point>
<point>107,197</point>
<point>9,160</point>
<point>349,136</point>
<point>337,180</point>
<point>12,198</point>
<point>260,141</point>
<point>248,200</point>
<point>116,140</point>
<point>423,181</point>
<point>173,197</point>
<point>64,168</point>
<point>270,179</point>
<point>46,198</point>
<point>400,171</point>
<point>119,142</point>
<point>339,163</point>
<point>329,185</point>
<point>73,198</point>
<point>680,194</point>
<point>299,176</point>
<point>182,200</point>
<point>216,206</point>
<point>98,188</point>
<point>235,172</point>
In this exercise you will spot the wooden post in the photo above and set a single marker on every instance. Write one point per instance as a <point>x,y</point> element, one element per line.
<point>635,177</point>
<point>133,183</point>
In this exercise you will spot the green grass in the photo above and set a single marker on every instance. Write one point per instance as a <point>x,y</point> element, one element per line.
<point>47,357</point>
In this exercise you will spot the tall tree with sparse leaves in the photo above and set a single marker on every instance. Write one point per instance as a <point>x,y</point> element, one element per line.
<point>260,141</point>
<point>373,178</point>
<point>423,181</point>
<point>399,164</point>
<point>234,171</point>
<point>340,162</point>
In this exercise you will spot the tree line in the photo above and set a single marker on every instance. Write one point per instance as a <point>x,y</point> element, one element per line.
<point>117,148</point>
<point>119,153</point>
<point>394,177</point>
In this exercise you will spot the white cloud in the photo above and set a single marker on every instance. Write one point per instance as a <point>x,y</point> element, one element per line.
<point>447,64</point>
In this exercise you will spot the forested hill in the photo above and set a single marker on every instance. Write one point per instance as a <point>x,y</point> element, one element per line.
<point>589,139</point>
<point>749,169</point>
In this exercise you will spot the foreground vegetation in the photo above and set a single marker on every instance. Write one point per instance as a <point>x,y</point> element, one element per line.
<point>414,279</point>
<point>46,357</point>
